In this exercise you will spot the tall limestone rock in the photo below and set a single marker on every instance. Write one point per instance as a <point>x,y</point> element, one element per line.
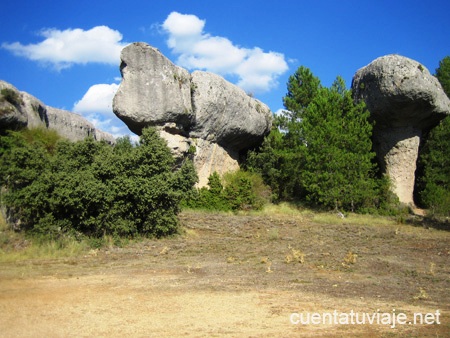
<point>153,90</point>
<point>20,109</point>
<point>405,100</point>
<point>199,114</point>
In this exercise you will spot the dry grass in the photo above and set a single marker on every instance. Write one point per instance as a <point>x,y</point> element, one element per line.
<point>17,247</point>
<point>351,219</point>
<point>283,259</point>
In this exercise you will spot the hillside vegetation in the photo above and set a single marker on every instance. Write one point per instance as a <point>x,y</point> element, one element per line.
<point>55,188</point>
<point>318,154</point>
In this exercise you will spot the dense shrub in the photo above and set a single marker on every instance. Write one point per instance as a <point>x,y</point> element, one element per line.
<point>240,190</point>
<point>245,190</point>
<point>90,187</point>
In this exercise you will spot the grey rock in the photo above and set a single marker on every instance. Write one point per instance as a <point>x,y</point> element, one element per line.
<point>225,114</point>
<point>199,108</point>
<point>20,109</point>
<point>179,144</point>
<point>153,91</point>
<point>101,135</point>
<point>12,112</point>
<point>404,99</point>
<point>208,157</point>
<point>35,110</point>
<point>73,126</point>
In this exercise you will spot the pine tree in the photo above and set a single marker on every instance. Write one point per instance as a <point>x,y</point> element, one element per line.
<point>443,74</point>
<point>435,157</point>
<point>436,162</point>
<point>302,88</point>
<point>339,169</point>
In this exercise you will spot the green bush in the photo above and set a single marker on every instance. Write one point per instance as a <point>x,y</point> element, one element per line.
<point>211,198</point>
<point>245,190</point>
<point>240,190</point>
<point>88,187</point>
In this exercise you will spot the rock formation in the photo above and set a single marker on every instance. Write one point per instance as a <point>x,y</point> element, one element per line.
<point>20,109</point>
<point>405,100</point>
<point>199,113</point>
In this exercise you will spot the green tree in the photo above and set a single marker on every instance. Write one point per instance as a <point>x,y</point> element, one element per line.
<point>443,74</point>
<point>435,160</point>
<point>279,164</point>
<point>338,171</point>
<point>302,88</point>
<point>24,176</point>
<point>321,150</point>
<point>92,188</point>
<point>280,158</point>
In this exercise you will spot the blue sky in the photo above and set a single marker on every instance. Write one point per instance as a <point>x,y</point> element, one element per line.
<point>66,53</point>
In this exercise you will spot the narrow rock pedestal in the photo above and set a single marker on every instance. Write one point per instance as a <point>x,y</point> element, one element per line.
<point>404,100</point>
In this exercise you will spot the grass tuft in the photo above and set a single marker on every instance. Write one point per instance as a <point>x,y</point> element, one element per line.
<point>16,246</point>
<point>281,209</point>
<point>351,219</point>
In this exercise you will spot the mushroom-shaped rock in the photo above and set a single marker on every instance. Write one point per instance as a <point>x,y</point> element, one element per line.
<point>153,90</point>
<point>199,111</point>
<point>404,99</point>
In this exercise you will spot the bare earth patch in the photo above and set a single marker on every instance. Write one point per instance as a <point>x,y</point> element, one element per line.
<point>236,276</point>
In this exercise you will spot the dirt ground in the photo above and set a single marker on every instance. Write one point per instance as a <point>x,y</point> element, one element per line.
<point>238,276</point>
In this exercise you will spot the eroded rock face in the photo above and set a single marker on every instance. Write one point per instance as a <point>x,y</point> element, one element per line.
<point>153,91</point>
<point>73,126</point>
<point>210,157</point>
<point>200,114</point>
<point>404,99</point>
<point>13,108</point>
<point>225,114</point>
<point>20,109</point>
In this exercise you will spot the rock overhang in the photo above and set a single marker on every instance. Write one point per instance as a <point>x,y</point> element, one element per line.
<point>404,100</point>
<point>155,92</point>
<point>399,91</point>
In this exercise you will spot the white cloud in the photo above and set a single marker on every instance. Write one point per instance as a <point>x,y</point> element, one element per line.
<point>62,49</point>
<point>96,107</point>
<point>260,70</point>
<point>257,70</point>
<point>280,112</point>
<point>98,99</point>
<point>180,25</point>
<point>113,125</point>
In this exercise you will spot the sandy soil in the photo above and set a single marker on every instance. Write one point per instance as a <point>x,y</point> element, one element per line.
<point>235,276</point>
